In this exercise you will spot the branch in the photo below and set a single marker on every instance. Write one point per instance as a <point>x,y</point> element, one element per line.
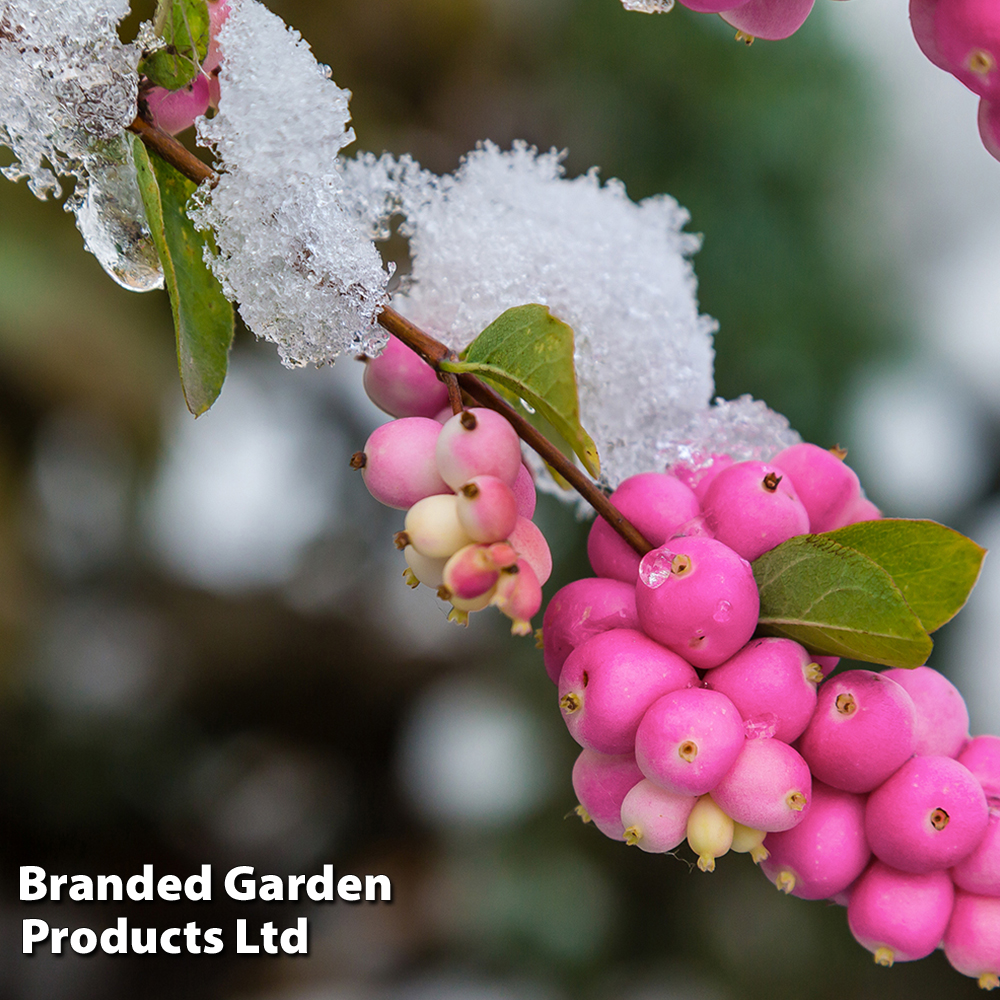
<point>431,350</point>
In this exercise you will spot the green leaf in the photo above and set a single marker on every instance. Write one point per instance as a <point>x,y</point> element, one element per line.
<point>528,353</point>
<point>203,317</point>
<point>934,566</point>
<point>184,27</point>
<point>837,602</point>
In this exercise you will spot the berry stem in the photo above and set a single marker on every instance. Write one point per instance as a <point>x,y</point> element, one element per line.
<point>431,350</point>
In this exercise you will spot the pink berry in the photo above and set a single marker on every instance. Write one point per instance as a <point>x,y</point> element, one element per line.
<point>478,442</point>
<point>929,815</point>
<point>979,872</point>
<point>772,682</point>
<point>175,110</point>
<point>859,510</point>
<point>524,492</point>
<point>531,546</point>
<point>654,819</point>
<point>752,507</point>
<point>707,6</point>
<point>519,596</point>
<point>822,481</point>
<point>863,729</point>
<point>581,609</point>
<point>899,916</point>
<point>942,715</point>
<point>487,508</point>
<point>989,126</point>
<point>826,852</point>
<point>922,25</point>
<point>601,782</point>
<point>769,19</point>
<point>968,38</point>
<point>697,597</point>
<point>657,504</point>
<point>981,755</point>
<point>398,464</point>
<point>826,664</point>
<point>403,384</point>
<point>218,11</point>
<point>607,684</point>
<point>972,938</point>
<point>688,740</point>
<point>432,526</point>
<point>768,788</point>
<point>470,572</point>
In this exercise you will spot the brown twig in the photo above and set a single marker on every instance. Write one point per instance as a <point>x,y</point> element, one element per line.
<point>432,351</point>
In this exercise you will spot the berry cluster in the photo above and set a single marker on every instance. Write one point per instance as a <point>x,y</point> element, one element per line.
<point>467,494</point>
<point>863,787</point>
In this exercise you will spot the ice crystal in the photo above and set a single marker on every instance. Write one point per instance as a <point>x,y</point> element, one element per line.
<point>509,228</point>
<point>649,6</point>
<point>68,89</point>
<point>304,273</point>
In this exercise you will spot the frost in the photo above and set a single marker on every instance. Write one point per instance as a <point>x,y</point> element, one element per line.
<point>68,89</point>
<point>509,228</point>
<point>744,428</point>
<point>649,6</point>
<point>303,271</point>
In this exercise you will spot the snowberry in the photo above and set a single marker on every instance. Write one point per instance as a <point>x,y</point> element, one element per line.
<point>968,38</point>
<point>858,510</point>
<point>752,507</point>
<point>772,682</point>
<point>688,740</point>
<point>657,504</point>
<point>654,819</point>
<point>989,125</point>
<point>524,492</point>
<point>582,609</point>
<point>518,595</point>
<point>972,939</point>
<point>478,442</point>
<point>398,464</point>
<point>768,788</point>
<point>863,728</point>
<point>981,755</point>
<point>899,916</point>
<point>403,384</point>
<point>930,814</point>
<point>175,110</point>
<point>698,598</point>
<point>768,19</point>
<point>487,508</point>
<point>826,852</point>
<point>979,872</point>
<point>601,782</point>
<point>422,569</point>
<point>822,481</point>
<point>709,832</point>
<point>607,684</point>
<point>432,526</point>
<point>942,716</point>
<point>747,840</point>
<point>470,572</point>
<point>528,540</point>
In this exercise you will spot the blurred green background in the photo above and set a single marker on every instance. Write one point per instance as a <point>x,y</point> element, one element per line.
<point>207,653</point>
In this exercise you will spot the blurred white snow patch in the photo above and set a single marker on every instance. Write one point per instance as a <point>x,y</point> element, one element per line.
<point>916,442</point>
<point>649,6</point>
<point>962,322</point>
<point>304,274</point>
<point>69,90</point>
<point>242,491</point>
<point>509,228</point>
<point>473,756</point>
<point>974,636</point>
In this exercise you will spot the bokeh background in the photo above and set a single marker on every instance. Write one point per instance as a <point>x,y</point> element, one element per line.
<point>207,654</point>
